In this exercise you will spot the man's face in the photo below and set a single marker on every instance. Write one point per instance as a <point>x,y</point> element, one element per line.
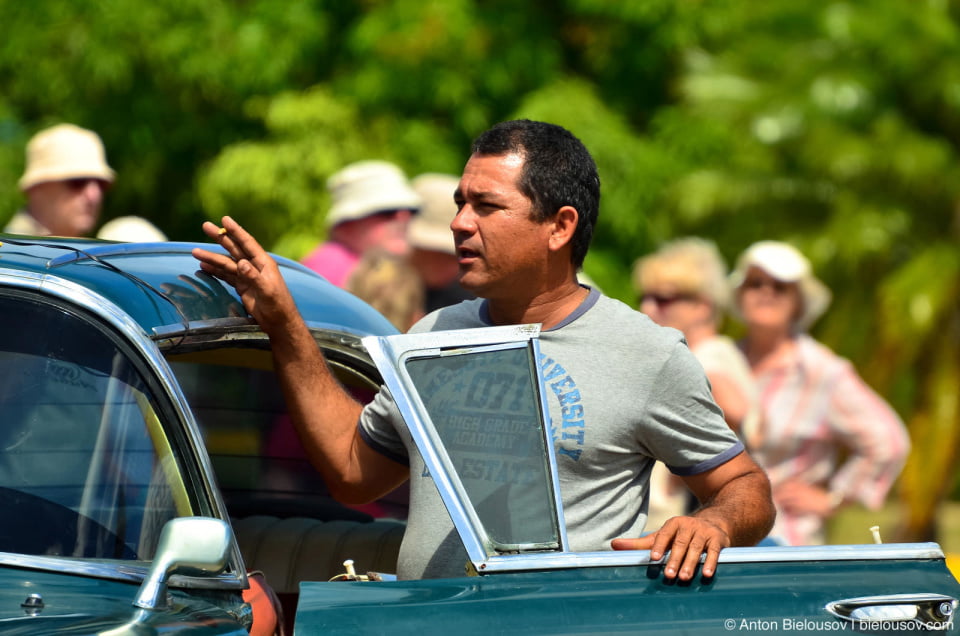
<point>67,208</point>
<point>501,251</point>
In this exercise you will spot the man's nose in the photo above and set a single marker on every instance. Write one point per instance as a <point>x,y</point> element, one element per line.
<point>464,221</point>
<point>93,191</point>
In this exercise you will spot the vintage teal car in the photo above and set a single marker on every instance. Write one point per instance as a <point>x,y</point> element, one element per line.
<point>147,464</point>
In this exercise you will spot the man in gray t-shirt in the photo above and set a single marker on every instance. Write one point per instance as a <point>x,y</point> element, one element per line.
<point>611,418</point>
<point>625,392</point>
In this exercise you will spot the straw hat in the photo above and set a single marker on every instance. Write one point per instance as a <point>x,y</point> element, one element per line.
<point>65,152</point>
<point>785,263</point>
<point>430,229</point>
<point>368,187</point>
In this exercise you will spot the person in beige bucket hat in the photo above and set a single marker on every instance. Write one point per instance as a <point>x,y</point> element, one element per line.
<point>372,206</point>
<point>64,181</point>
<point>432,250</point>
<point>825,438</point>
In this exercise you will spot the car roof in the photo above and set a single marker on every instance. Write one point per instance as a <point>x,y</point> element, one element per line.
<point>160,285</point>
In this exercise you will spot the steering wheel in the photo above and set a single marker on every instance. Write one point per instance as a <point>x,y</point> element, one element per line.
<point>34,525</point>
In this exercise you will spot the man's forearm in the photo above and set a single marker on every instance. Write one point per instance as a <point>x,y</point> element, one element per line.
<point>323,413</point>
<point>743,507</point>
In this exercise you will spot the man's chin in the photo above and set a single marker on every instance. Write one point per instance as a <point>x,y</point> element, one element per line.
<point>471,284</point>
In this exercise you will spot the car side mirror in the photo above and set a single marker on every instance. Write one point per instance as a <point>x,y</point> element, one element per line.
<point>197,544</point>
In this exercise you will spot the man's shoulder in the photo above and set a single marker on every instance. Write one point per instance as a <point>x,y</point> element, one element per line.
<point>23,222</point>
<point>463,315</point>
<point>615,315</point>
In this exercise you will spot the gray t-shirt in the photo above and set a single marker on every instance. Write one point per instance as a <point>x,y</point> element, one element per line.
<point>622,392</point>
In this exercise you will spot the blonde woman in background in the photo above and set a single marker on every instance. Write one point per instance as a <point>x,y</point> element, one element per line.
<point>389,284</point>
<point>816,410</point>
<point>684,285</point>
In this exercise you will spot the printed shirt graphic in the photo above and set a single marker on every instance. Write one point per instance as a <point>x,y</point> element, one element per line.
<point>569,436</point>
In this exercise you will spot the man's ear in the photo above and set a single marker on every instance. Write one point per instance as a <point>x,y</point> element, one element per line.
<point>564,227</point>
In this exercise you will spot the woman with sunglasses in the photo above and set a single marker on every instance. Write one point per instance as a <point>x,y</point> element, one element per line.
<point>826,438</point>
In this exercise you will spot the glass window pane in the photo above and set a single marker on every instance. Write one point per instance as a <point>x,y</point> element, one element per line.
<point>260,463</point>
<point>85,466</point>
<point>485,408</point>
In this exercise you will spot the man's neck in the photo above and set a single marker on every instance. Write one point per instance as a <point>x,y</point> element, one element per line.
<point>548,308</point>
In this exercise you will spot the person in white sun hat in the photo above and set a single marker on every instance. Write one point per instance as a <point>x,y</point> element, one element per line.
<point>372,206</point>
<point>816,410</point>
<point>65,180</point>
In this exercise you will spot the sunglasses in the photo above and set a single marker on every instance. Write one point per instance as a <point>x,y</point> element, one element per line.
<point>777,286</point>
<point>81,183</point>
<point>662,300</point>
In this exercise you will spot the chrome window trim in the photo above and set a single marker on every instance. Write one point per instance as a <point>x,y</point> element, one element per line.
<point>77,295</point>
<point>772,554</point>
<point>390,351</point>
<point>106,250</point>
<point>336,334</point>
<point>129,571</point>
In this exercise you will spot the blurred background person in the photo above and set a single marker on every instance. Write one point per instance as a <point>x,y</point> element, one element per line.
<point>684,285</point>
<point>432,250</point>
<point>372,206</point>
<point>65,179</point>
<point>391,285</point>
<point>131,229</point>
<point>826,438</point>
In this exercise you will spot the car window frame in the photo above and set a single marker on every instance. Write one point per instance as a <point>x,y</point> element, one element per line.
<point>390,353</point>
<point>180,430</point>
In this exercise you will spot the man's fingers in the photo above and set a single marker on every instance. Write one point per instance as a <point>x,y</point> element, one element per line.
<point>678,550</point>
<point>687,539</point>
<point>642,543</point>
<point>241,244</point>
<point>215,264</point>
<point>690,560</point>
<point>211,230</point>
<point>713,557</point>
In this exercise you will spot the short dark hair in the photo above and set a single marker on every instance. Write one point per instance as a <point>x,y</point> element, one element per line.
<point>557,171</point>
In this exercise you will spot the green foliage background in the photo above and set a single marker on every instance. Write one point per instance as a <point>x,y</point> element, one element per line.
<point>833,125</point>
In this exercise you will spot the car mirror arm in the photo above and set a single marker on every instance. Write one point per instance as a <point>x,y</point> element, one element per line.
<point>186,544</point>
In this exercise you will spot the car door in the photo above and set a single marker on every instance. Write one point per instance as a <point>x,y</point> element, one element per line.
<point>457,392</point>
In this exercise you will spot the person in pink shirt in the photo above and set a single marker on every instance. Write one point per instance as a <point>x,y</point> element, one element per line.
<point>372,206</point>
<point>826,438</point>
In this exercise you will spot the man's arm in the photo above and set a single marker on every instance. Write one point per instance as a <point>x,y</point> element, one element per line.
<point>736,510</point>
<point>324,414</point>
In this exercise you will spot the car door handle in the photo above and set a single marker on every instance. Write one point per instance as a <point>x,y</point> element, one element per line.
<point>933,611</point>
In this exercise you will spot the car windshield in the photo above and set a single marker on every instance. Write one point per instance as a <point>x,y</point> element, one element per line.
<point>85,467</point>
